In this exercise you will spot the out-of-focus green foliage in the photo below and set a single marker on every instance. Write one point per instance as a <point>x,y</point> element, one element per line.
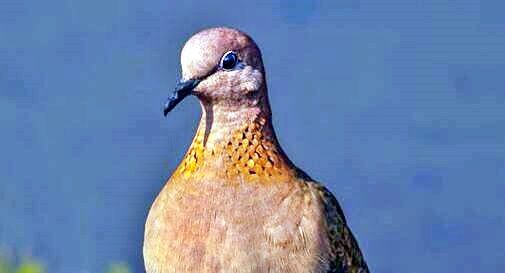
<point>29,265</point>
<point>118,268</point>
<point>25,266</point>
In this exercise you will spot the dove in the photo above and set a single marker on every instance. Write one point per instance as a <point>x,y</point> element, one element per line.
<point>237,203</point>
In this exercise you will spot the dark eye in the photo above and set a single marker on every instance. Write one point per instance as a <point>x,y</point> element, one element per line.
<point>229,60</point>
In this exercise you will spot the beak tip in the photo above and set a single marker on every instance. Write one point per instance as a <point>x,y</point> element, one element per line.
<point>166,109</point>
<point>182,90</point>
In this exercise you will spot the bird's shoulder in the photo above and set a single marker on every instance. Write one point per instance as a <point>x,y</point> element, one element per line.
<point>345,255</point>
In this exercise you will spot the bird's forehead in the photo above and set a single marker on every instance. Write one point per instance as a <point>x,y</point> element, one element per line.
<point>203,51</point>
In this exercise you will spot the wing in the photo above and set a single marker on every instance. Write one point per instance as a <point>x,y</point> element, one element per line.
<point>345,256</point>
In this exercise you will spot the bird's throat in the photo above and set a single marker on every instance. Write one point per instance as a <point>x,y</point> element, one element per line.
<point>235,143</point>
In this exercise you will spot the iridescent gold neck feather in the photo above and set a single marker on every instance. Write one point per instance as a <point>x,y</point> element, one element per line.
<point>240,143</point>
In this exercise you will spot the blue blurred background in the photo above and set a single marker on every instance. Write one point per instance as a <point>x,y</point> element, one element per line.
<point>397,106</point>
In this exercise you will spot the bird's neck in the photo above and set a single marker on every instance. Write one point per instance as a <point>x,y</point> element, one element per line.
<point>235,141</point>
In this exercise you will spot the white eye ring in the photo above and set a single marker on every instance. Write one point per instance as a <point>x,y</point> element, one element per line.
<point>229,60</point>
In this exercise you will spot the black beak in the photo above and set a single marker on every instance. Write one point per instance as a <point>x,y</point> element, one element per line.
<point>182,90</point>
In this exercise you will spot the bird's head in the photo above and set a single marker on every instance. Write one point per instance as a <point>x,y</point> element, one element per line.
<point>221,66</point>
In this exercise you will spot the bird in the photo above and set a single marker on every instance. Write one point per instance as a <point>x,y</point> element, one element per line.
<point>237,203</point>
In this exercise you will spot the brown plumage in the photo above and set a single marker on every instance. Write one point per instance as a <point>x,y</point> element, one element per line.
<point>236,203</point>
